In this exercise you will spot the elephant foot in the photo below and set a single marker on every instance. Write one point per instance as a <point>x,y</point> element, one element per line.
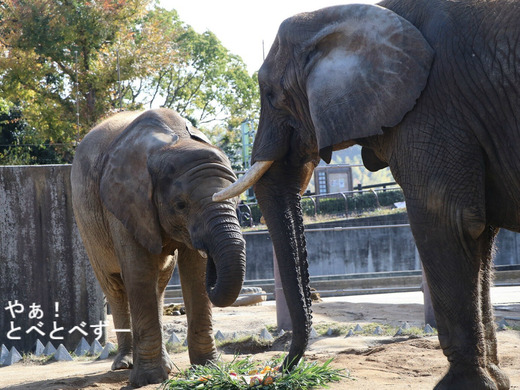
<point>500,378</point>
<point>123,361</point>
<point>166,361</point>
<point>145,373</point>
<point>202,358</point>
<point>146,376</point>
<point>467,379</point>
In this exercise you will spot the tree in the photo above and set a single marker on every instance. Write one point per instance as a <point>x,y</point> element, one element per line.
<point>228,139</point>
<point>48,45</point>
<point>197,76</point>
<point>13,151</point>
<point>192,73</point>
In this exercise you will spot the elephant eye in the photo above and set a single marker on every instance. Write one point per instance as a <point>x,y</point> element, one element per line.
<point>270,97</point>
<point>180,205</point>
<point>275,101</point>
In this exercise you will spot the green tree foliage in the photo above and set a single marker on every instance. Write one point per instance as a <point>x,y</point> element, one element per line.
<point>13,151</point>
<point>209,83</point>
<point>228,138</point>
<point>46,45</point>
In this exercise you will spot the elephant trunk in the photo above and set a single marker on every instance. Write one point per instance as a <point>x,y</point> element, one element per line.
<point>226,264</point>
<point>278,195</point>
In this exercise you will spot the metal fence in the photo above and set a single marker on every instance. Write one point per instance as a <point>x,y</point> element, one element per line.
<point>350,203</point>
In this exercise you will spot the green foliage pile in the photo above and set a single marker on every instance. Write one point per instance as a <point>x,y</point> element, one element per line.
<point>237,374</point>
<point>60,56</point>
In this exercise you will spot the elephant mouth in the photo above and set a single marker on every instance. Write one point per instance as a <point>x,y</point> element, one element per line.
<point>211,275</point>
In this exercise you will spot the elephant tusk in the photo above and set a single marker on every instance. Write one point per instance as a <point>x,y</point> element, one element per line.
<point>203,254</point>
<point>250,177</point>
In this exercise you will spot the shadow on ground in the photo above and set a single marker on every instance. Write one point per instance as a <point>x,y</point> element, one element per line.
<point>80,382</point>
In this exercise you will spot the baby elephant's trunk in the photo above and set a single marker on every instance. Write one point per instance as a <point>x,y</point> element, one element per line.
<point>227,256</point>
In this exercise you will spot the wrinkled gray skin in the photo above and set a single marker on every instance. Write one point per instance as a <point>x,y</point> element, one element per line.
<point>432,89</point>
<point>142,199</point>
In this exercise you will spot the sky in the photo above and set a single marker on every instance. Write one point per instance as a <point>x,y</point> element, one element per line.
<point>242,25</point>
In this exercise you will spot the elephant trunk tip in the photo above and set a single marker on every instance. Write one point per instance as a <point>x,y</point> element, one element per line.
<point>223,300</point>
<point>220,302</point>
<point>223,288</point>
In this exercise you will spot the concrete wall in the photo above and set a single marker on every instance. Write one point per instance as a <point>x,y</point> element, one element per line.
<point>43,262</point>
<point>359,251</point>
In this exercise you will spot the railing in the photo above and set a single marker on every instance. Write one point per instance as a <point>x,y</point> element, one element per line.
<point>338,228</point>
<point>248,212</point>
<point>346,195</point>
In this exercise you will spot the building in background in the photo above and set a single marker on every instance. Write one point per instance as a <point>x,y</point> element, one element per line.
<point>332,178</point>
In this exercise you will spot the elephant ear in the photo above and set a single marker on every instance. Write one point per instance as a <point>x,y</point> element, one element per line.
<point>366,68</point>
<point>126,187</point>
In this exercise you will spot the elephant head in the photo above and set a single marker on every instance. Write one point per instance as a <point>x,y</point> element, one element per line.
<point>158,181</point>
<point>332,77</point>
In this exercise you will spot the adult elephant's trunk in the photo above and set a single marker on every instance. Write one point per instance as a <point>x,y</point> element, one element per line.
<point>278,195</point>
<point>226,266</point>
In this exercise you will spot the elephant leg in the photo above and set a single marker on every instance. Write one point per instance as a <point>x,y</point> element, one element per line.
<point>151,365</point>
<point>488,317</point>
<point>452,261</point>
<point>192,271</point>
<point>140,273</point>
<point>164,277</point>
<point>115,292</point>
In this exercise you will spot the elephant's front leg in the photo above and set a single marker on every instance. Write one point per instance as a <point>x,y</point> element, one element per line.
<point>192,271</point>
<point>452,261</point>
<point>140,275</point>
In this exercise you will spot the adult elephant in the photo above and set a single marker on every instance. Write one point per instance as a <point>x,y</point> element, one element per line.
<point>142,186</point>
<point>432,89</point>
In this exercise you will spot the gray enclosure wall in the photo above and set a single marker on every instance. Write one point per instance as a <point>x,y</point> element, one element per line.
<point>46,282</point>
<point>359,251</point>
<point>42,259</point>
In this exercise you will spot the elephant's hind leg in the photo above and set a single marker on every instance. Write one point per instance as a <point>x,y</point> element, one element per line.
<point>105,265</point>
<point>164,277</point>
<point>117,299</point>
<point>115,292</point>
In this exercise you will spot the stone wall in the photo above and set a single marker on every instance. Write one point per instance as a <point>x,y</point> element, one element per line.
<point>47,287</point>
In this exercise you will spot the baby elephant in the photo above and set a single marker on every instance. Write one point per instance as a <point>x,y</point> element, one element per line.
<point>142,185</point>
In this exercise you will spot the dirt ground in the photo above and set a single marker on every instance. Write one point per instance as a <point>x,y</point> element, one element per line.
<point>374,362</point>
